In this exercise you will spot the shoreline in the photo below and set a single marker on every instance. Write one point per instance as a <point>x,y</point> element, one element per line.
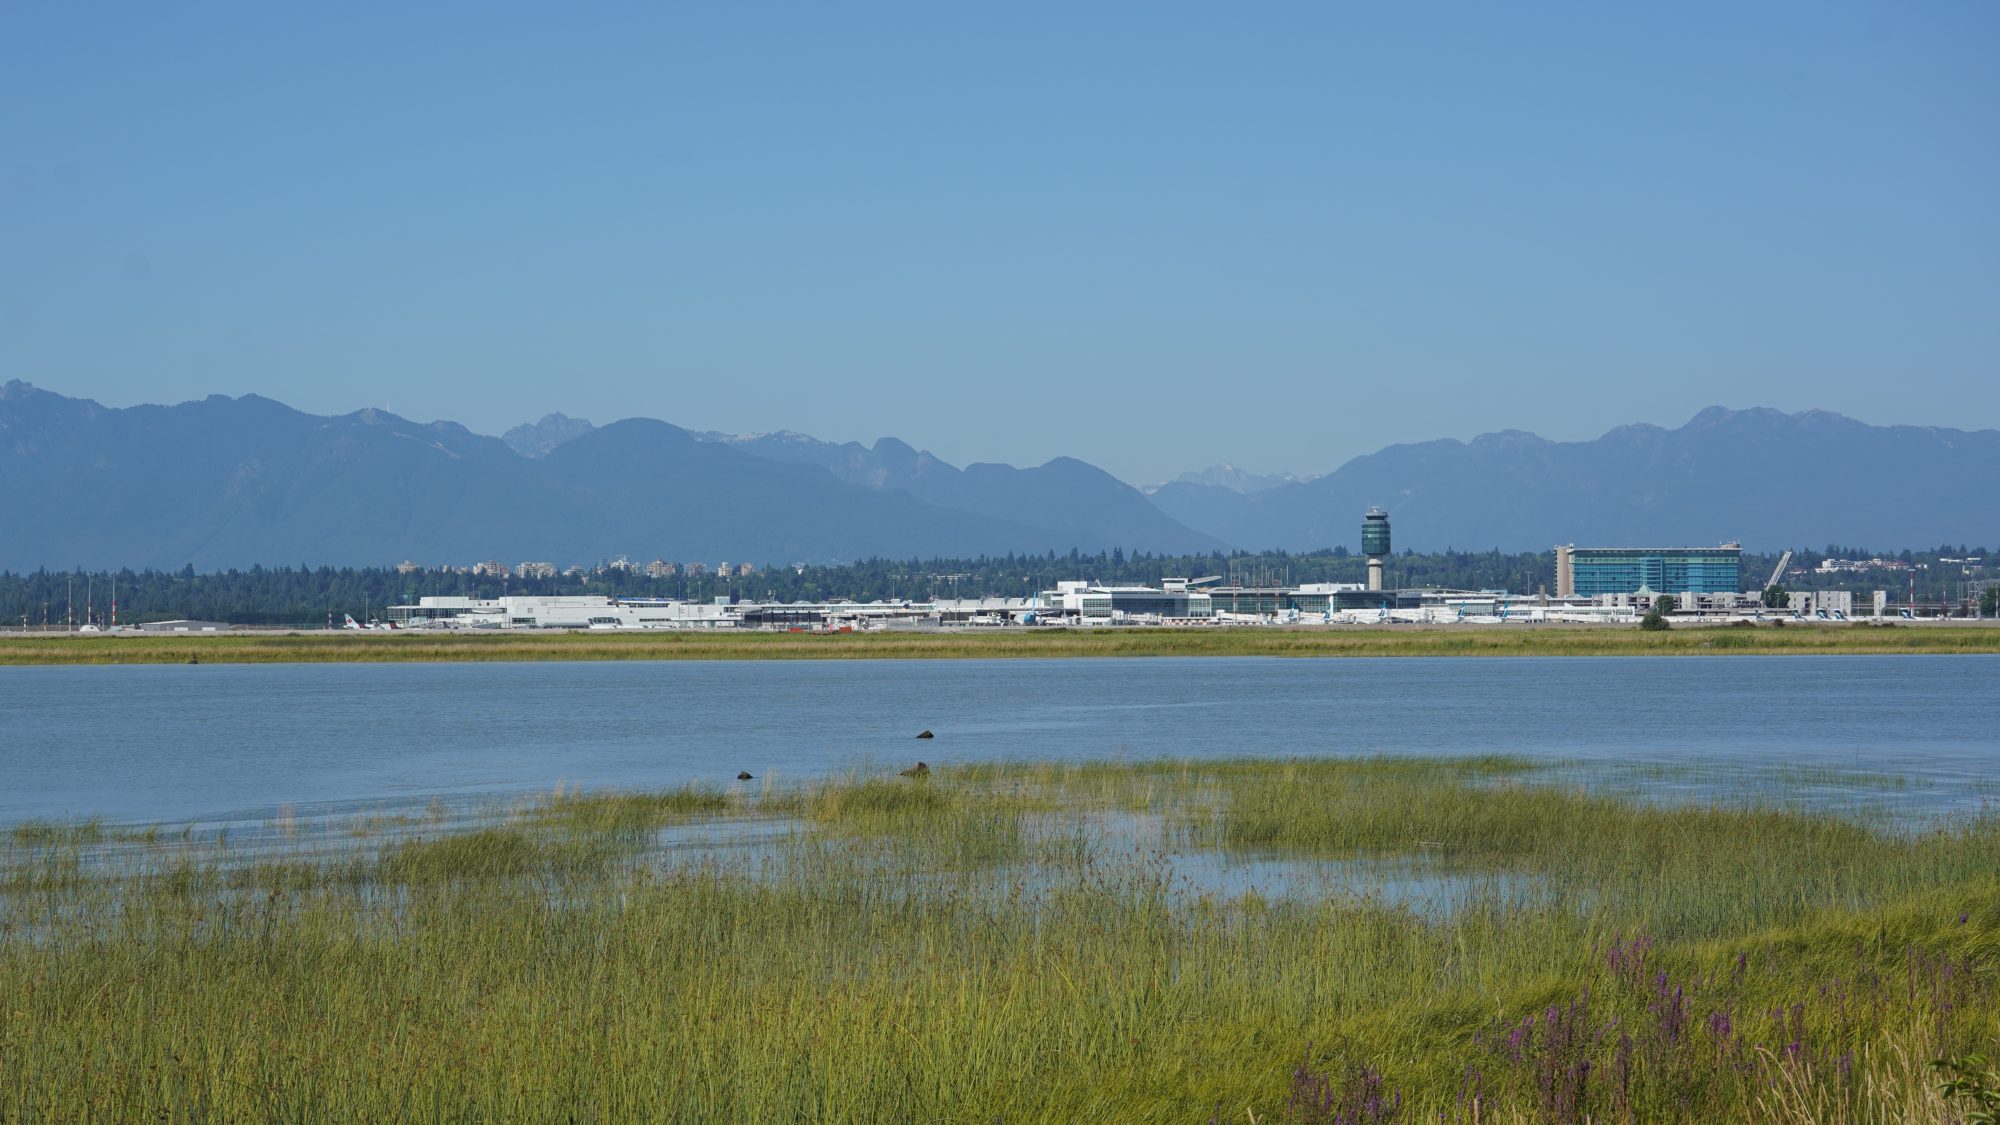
<point>318,646</point>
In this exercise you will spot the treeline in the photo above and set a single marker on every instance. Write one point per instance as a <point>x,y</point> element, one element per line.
<point>304,596</point>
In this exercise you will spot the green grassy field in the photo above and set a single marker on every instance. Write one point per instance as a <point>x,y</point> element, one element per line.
<point>1016,943</point>
<point>1523,640</point>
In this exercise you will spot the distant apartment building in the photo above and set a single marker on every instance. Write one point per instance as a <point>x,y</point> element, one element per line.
<point>695,569</point>
<point>407,567</point>
<point>491,568</point>
<point>661,568</point>
<point>1854,566</point>
<point>535,570</point>
<point>745,570</point>
<point>1587,572</point>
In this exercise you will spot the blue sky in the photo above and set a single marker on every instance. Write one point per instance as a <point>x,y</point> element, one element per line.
<point>1152,236</point>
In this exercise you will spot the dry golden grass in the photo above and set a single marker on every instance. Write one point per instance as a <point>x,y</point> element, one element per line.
<point>1454,640</point>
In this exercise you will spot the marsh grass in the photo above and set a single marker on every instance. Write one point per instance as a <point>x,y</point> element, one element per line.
<point>927,823</point>
<point>978,946</point>
<point>1673,870</point>
<point>493,854</point>
<point>631,812</point>
<point>54,834</point>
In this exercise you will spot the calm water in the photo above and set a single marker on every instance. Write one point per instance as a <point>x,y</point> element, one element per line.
<point>175,743</point>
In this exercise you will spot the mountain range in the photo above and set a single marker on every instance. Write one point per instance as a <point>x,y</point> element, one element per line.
<point>1762,477</point>
<point>222,482</point>
<point>1083,504</point>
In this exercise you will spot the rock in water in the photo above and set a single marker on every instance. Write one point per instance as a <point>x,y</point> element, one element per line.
<point>926,734</point>
<point>744,775</point>
<point>918,770</point>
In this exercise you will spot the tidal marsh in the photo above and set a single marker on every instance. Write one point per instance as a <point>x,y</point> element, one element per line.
<point>1478,939</point>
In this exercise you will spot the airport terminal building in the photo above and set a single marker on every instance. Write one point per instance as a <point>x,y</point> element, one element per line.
<point>1587,572</point>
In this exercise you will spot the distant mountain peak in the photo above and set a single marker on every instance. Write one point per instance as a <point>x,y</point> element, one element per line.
<point>1767,415</point>
<point>792,436</point>
<point>20,389</point>
<point>538,439</point>
<point>1509,438</point>
<point>1222,474</point>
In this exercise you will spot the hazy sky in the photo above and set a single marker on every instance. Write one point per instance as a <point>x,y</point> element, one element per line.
<point>1152,236</point>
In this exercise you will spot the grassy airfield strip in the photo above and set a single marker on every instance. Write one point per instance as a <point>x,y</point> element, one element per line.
<point>1453,640</point>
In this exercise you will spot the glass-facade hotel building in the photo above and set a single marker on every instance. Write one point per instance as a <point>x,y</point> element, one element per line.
<point>1585,572</point>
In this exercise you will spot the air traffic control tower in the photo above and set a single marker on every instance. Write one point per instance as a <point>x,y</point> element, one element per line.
<point>1375,544</point>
